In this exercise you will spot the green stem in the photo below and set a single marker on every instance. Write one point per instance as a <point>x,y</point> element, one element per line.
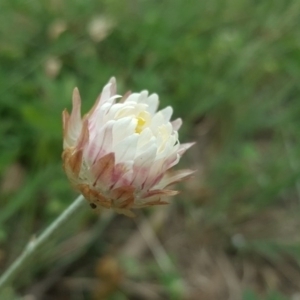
<point>35,244</point>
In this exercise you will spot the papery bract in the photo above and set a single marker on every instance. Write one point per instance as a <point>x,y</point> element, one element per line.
<point>119,154</point>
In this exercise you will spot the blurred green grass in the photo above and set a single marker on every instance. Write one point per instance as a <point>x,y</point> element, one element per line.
<point>234,64</point>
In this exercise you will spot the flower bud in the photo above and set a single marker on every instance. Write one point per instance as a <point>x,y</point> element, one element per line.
<point>119,155</point>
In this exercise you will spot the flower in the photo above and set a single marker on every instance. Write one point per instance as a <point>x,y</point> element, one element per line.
<point>119,154</point>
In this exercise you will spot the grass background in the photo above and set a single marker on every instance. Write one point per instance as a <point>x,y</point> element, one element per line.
<point>231,70</point>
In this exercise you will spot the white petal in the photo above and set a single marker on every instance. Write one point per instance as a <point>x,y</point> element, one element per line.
<point>101,144</point>
<point>114,110</point>
<point>176,124</point>
<point>123,128</point>
<point>184,147</point>
<point>125,111</point>
<point>154,172</point>
<point>142,165</point>
<point>108,137</point>
<point>126,149</point>
<point>171,161</point>
<point>133,98</point>
<point>145,137</point>
<point>143,148</point>
<point>156,121</point>
<point>167,113</point>
<point>106,93</point>
<point>143,97</point>
<point>113,87</point>
<point>174,177</point>
<point>147,157</point>
<point>97,119</point>
<point>152,102</point>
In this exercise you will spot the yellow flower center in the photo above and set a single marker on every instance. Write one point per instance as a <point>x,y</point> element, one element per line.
<point>142,118</point>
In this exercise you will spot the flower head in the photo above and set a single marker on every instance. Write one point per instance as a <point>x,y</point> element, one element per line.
<point>119,154</point>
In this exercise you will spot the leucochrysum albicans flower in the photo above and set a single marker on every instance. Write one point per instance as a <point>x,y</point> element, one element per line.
<point>119,155</point>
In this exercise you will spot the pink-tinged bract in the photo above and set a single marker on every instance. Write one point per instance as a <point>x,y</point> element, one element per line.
<point>119,155</point>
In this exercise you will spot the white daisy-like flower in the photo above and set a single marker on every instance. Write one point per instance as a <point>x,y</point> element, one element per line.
<point>119,155</point>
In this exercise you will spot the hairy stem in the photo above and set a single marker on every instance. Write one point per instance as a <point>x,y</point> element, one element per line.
<point>35,244</point>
